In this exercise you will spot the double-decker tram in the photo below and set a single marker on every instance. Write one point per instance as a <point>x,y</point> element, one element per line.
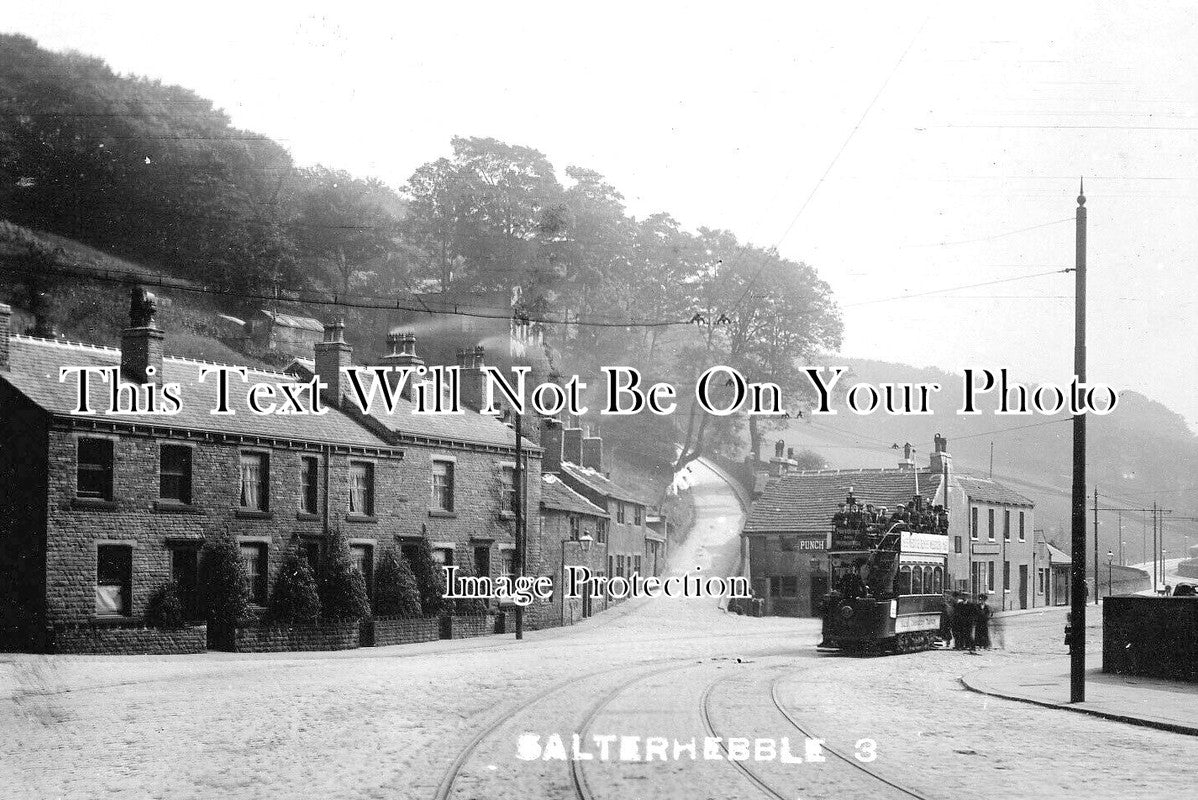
<point>888,577</point>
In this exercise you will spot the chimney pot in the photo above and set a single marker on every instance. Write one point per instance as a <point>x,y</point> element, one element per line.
<point>778,447</point>
<point>403,354</point>
<point>471,363</point>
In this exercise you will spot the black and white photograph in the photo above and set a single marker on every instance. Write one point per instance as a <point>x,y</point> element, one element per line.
<point>622,401</point>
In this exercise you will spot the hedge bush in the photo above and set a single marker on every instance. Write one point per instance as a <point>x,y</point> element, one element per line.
<point>164,609</point>
<point>395,591</point>
<point>464,606</point>
<point>342,588</point>
<point>430,579</point>
<point>225,595</point>
<point>295,600</point>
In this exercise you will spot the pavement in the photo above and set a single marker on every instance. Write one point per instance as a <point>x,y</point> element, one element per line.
<point>1163,704</point>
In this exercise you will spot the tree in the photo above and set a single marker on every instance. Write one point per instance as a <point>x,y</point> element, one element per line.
<point>295,600</point>
<point>342,587</point>
<point>224,584</point>
<point>430,578</point>
<point>467,606</point>
<point>395,591</point>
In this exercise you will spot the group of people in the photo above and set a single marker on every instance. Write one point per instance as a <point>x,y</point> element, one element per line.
<point>965,623</point>
<point>919,514</point>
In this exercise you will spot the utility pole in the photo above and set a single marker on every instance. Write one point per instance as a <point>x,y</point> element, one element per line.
<point>1077,640</point>
<point>1154,547</point>
<point>992,458</point>
<point>1122,563</point>
<point>518,480</point>
<point>1095,545</point>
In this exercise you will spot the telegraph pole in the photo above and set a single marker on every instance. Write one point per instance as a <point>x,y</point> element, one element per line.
<point>1077,641</point>
<point>1095,545</point>
<point>518,479</point>
<point>1154,547</point>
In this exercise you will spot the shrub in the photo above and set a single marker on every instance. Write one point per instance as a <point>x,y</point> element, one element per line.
<point>295,600</point>
<point>395,590</point>
<point>467,606</point>
<point>226,597</point>
<point>342,587</point>
<point>164,609</point>
<point>430,579</point>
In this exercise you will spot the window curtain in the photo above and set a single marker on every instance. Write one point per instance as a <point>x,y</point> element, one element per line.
<point>251,483</point>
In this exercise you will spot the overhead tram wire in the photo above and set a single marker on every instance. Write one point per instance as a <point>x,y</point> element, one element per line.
<point>958,288</point>
<point>835,158</point>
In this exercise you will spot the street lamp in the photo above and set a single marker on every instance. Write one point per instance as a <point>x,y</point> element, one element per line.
<point>1110,570</point>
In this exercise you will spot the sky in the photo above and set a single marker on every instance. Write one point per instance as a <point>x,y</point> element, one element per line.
<point>901,149</point>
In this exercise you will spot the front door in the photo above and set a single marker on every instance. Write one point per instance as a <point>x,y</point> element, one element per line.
<point>185,574</point>
<point>819,589</point>
<point>1023,585</point>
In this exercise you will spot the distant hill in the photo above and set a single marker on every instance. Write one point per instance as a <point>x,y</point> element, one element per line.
<point>1142,452</point>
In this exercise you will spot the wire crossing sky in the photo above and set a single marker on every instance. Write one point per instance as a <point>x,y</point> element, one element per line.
<point>730,118</point>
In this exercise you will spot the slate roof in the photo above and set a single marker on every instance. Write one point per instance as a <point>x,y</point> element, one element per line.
<point>985,490</point>
<point>598,482</point>
<point>293,321</point>
<point>34,372</point>
<point>468,427</point>
<point>560,497</point>
<point>804,502</point>
<point>1057,556</point>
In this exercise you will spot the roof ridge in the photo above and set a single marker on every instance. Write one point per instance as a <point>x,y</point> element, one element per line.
<point>62,343</point>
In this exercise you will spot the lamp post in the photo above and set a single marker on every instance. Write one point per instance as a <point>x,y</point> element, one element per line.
<point>584,542</point>
<point>1110,572</point>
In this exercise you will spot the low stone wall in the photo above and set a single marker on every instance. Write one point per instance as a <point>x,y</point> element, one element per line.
<point>1153,637</point>
<point>1188,568</point>
<point>118,640</point>
<point>387,631</point>
<point>277,639</point>
<point>464,627</point>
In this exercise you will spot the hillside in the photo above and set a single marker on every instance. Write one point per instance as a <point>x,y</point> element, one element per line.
<point>1141,453</point>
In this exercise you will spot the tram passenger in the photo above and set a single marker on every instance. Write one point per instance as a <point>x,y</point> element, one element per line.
<point>982,623</point>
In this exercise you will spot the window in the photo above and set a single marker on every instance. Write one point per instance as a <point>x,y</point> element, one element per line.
<point>253,556</point>
<point>1040,581</point>
<point>1022,535</point>
<point>507,488</point>
<point>255,482</point>
<point>990,575</point>
<point>973,523</point>
<point>174,473</point>
<point>185,560</point>
<point>361,489</point>
<point>482,561</point>
<point>443,556</point>
<point>784,586</point>
<point>990,524</point>
<point>620,513</point>
<point>443,485</point>
<point>636,564</point>
<point>904,581</point>
<point>309,484</point>
<point>575,527</point>
<point>508,560</point>
<point>1006,575</point>
<point>611,566</point>
<point>937,580</point>
<point>638,515</point>
<point>917,580</point>
<point>312,549</point>
<point>114,578</point>
<point>1006,525</point>
<point>957,544</point>
<point>362,557</point>
<point>601,532</point>
<point>94,474</point>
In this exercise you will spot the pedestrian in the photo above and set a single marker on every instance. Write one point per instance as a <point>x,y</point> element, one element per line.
<point>946,619</point>
<point>963,617</point>
<point>982,623</point>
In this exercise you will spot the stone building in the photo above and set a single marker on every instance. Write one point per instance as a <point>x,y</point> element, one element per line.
<point>100,510</point>
<point>571,527</point>
<point>285,333</point>
<point>785,536</point>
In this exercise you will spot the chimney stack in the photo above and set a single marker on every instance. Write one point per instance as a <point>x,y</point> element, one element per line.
<point>141,342</point>
<point>572,445</point>
<point>402,347</point>
<point>5,326</point>
<point>908,460</point>
<point>332,356</point>
<point>43,326</point>
<point>473,381</point>
<point>551,441</point>
<point>592,453</point>
<point>778,446</point>
<point>940,459</point>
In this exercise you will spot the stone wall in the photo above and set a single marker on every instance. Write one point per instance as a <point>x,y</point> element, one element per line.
<point>464,627</point>
<point>275,639</point>
<point>125,641</point>
<point>1151,636</point>
<point>387,631</point>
